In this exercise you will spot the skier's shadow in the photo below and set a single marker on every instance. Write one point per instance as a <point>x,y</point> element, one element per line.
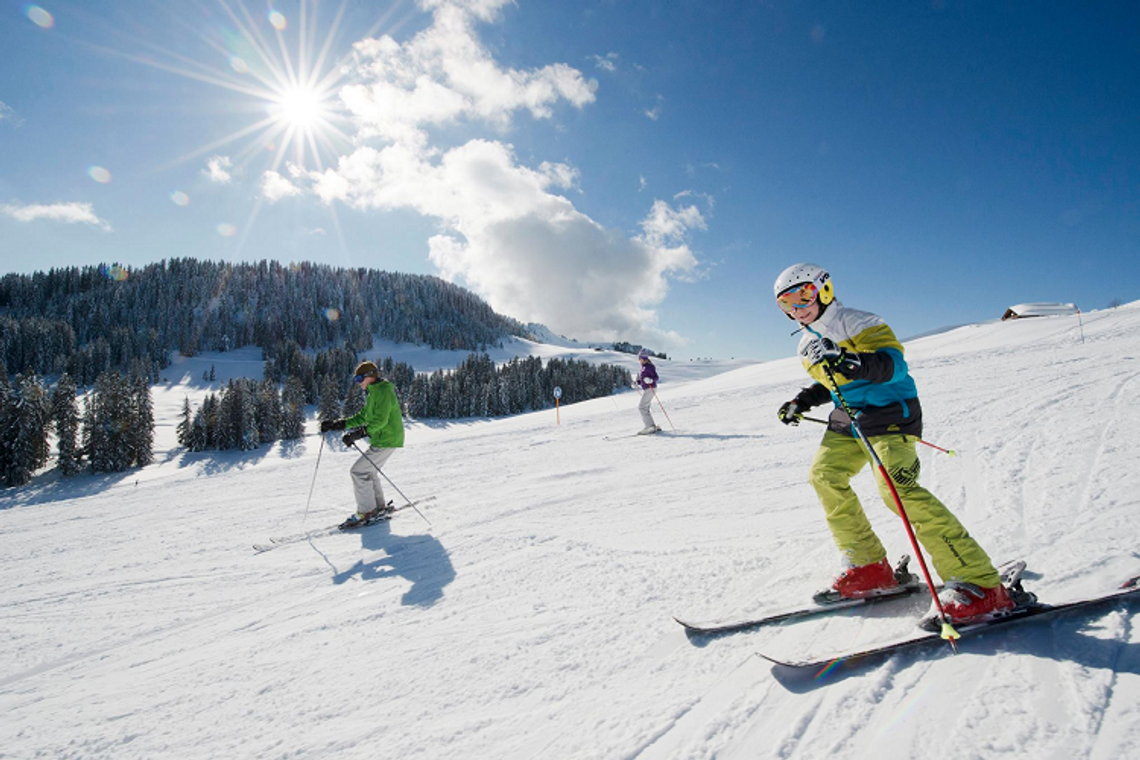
<point>1065,641</point>
<point>421,559</point>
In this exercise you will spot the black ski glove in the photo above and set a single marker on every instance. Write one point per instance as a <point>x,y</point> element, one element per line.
<point>354,435</point>
<point>327,425</point>
<point>790,413</point>
<point>824,351</point>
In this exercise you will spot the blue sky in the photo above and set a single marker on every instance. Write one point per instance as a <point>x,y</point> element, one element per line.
<point>615,169</point>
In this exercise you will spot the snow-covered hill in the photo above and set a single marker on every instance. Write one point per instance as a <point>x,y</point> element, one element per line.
<point>533,617</point>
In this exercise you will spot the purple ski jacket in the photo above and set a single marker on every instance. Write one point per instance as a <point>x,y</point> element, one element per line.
<point>648,377</point>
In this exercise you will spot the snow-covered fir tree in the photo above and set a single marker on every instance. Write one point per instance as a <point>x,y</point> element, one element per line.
<point>292,410</point>
<point>185,423</point>
<point>142,428</point>
<point>269,411</point>
<point>65,415</point>
<point>24,436</point>
<point>111,441</point>
<point>329,405</point>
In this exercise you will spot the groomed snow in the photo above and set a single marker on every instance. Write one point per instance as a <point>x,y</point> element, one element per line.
<point>533,617</point>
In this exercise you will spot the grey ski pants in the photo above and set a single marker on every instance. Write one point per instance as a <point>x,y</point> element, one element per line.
<point>643,407</point>
<point>366,481</point>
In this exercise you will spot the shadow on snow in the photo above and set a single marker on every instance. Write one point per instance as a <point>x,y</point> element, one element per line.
<point>421,559</point>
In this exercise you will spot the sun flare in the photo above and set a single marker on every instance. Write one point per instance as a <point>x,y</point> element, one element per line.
<point>300,107</point>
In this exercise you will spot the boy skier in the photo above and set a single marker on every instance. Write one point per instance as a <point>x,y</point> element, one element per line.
<point>868,365</point>
<point>647,382</point>
<point>382,423</point>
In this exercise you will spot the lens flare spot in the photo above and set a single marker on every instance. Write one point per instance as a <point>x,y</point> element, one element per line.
<point>239,65</point>
<point>115,272</point>
<point>332,314</point>
<point>277,20</point>
<point>226,230</point>
<point>40,17</point>
<point>180,198</point>
<point>99,174</point>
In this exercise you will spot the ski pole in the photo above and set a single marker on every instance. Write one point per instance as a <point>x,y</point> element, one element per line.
<point>314,483</point>
<point>409,502</point>
<point>663,410</point>
<point>948,631</point>
<point>951,452</point>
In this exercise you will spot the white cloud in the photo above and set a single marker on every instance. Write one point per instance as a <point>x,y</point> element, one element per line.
<point>444,74</point>
<point>706,197</point>
<point>217,169</point>
<point>528,251</point>
<point>608,62</point>
<point>504,229</point>
<point>8,116</point>
<point>560,175</point>
<point>68,213</point>
<point>655,112</point>
<point>274,187</point>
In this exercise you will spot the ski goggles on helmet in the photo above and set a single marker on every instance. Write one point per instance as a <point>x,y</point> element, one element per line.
<point>360,378</point>
<point>798,297</point>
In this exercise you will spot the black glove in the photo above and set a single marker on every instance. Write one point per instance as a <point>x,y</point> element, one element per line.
<point>790,413</point>
<point>354,435</point>
<point>824,351</point>
<point>327,425</point>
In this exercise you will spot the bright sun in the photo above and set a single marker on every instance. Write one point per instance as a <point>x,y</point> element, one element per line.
<point>299,107</point>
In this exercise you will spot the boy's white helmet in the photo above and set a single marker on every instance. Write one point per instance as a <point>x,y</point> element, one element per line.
<point>797,274</point>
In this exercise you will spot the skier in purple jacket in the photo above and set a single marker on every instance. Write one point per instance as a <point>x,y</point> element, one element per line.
<point>647,382</point>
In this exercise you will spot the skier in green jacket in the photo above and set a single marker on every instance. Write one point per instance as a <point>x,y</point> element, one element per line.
<point>381,421</point>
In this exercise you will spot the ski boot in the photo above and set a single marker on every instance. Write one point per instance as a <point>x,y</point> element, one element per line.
<point>965,603</point>
<point>876,579</point>
<point>360,519</point>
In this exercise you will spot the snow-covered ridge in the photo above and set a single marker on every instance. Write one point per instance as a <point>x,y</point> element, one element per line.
<point>532,618</point>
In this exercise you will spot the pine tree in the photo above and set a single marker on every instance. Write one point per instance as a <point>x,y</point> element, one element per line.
<point>268,411</point>
<point>65,414</point>
<point>248,436</point>
<point>329,406</point>
<point>142,422</point>
<point>293,410</point>
<point>25,435</point>
<point>9,404</point>
<point>185,424</point>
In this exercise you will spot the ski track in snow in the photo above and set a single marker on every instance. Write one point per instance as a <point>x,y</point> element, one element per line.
<point>533,617</point>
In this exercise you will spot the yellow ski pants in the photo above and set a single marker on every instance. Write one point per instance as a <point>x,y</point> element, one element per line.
<point>955,555</point>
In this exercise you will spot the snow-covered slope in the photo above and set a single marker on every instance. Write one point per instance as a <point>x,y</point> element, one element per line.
<point>532,618</point>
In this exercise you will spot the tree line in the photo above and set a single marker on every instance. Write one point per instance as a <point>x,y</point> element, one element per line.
<point>113,432</point>
<point>87,320</point>
<point>248,413</point>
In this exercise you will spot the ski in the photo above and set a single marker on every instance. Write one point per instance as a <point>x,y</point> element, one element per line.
<point>332,530</point>
<point>634,435</point>
<point>1034,609</point>
<point>908,584</point>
